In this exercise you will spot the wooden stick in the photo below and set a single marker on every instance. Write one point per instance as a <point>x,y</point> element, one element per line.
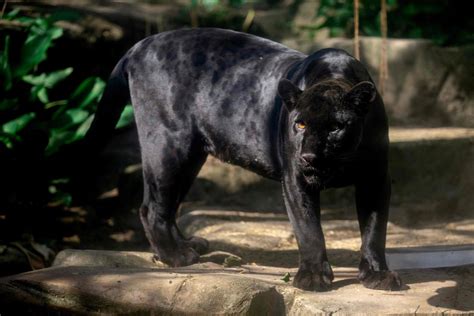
<point>356,30</point>
<point>248,20</point>
<point>383,70</point>
<point>3,8</point>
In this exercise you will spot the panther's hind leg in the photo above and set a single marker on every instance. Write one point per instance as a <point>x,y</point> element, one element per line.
<point>171,162</point>
<point>192,169</point>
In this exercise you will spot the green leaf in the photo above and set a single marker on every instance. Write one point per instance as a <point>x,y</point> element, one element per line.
<point>39,92</point>
<point>63,134</point>
<point>89,91</point>
<point>40,26</point>
<point>56,76</point>
<point>35,80</point>
<point>55,32</point>
<point>16,125</point>
<point>24,19</point>
<point>83,128</point>
<point>57,139</point>
<point>12,14</point>
<point>77,115</point>
<point>126,117</point>
<point>34,50</point>
<point>286,277</point>
<point>48,80</point>
<point>5,70</point>
<point>45,81</point>
<point>43,95</point>
<point>69,118</point>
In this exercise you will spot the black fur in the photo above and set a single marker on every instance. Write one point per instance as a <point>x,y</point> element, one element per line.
<point>311,122</point>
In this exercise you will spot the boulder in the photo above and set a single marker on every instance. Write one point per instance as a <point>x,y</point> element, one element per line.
<point>108,290</point>
<point>209,288</point>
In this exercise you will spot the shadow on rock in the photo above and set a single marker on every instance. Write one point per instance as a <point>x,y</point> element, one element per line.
<point>461,286</point>
<point>287,258</point>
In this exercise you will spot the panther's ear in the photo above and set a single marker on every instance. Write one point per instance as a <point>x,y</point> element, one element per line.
<point>289,93</point>
<point>360,96</point>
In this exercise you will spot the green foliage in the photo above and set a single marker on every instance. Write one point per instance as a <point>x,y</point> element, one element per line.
<point>35,104</point>
<point>87,92</point>
<point>126,118</point>
<point>445,22</point>
<point>15,126</point>
<point>27,104</point>
<point>65,120</point>
<point>286,278</point>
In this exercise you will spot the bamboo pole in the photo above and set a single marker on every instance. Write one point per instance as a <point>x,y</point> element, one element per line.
<point>356,30</point>
<point>383,69</point>
<point>3,8</point>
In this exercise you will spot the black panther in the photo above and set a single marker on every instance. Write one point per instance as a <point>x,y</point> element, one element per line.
<point>309,121</point>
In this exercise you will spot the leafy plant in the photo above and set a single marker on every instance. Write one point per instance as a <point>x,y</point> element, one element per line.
<point>37,110</point>
<point>37,117</point>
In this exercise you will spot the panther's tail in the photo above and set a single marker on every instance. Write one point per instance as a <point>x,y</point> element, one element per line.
<point>116,95</point>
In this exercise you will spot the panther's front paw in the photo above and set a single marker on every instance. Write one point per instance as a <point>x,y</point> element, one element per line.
<point>381,280</point>
<point>318,278</point>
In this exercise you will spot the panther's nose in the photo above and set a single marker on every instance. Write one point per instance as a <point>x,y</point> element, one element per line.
<point>309,158</point>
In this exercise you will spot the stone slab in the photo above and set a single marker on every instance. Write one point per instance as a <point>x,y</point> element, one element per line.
<point>137,290</point>
<point>209,288</point>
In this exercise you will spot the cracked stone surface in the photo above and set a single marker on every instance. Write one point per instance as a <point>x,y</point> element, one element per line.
<point>207,288</point>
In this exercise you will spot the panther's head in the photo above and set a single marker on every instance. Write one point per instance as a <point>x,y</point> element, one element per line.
<point>324,125</point>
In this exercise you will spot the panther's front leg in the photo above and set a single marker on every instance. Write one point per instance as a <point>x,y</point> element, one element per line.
<point>302,204</point>
<point>372,199</point>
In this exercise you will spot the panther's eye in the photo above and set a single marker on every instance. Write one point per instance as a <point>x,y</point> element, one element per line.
<point>300,126</point>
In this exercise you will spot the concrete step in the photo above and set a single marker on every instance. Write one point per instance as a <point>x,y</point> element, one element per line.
<point>433,164</point>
